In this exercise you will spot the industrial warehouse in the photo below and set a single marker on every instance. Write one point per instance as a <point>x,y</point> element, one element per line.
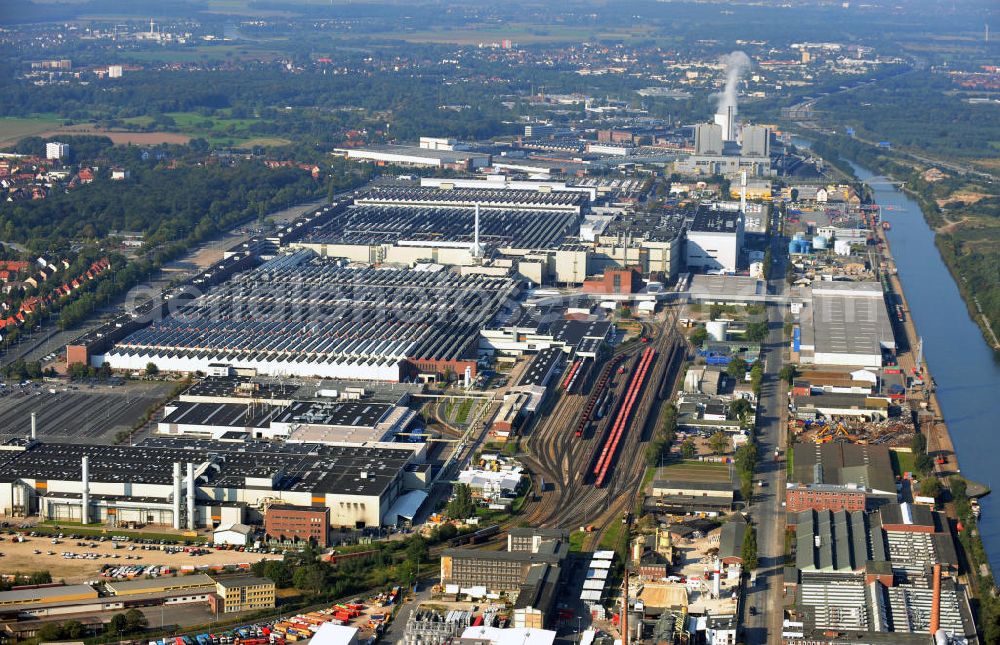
<point>199,483</point>
<point>299,315</point>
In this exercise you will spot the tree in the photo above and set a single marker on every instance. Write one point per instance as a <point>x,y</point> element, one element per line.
<point>310,578</point>
<point>50,632</point>
<point>746,457</point>
<point>923,464</point>
<point>688,449</point>
<point>740,409</point>
<point>756,332</point>
<point>118,624</point>
<point>719,443</point>
<point>737,368</point>
<point>930,487</point>
<point>756,377</point>
<point>788,373</point>
<point>416,549</point>
<point>72,629</point>
<point>152,369</point>
<point>746,486</point>
<point>445,532</point>
<point>699,335</point>
<point>462,505</point>
<point>919,443</point>
<point>749,551</point>
<point>135,621</point>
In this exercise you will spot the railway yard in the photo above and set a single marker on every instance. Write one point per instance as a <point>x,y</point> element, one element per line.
<point>592,465</point>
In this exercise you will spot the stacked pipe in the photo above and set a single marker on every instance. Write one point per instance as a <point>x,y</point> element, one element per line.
<point>936,601</point>
<point>611,445</point>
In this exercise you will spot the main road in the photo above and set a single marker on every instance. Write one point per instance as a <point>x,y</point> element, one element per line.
<point>767,514</point>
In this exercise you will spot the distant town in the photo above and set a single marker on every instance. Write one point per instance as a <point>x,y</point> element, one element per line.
<point>478,326</point>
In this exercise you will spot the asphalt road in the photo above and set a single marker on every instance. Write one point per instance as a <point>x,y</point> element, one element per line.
<point>766,511</point>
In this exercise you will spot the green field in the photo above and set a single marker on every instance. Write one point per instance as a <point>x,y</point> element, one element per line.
<point>13,129</point>
<point>696,471</point>
<point>902,462</point>
<point>217,130</point>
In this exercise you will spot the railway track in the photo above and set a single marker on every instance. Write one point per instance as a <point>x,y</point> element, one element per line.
<point>564,461</point>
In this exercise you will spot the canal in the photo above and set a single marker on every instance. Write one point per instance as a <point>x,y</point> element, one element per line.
<point>965,368</point>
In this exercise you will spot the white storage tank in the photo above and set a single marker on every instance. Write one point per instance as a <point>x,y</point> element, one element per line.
<point>757,270</point>
<point>820,242</point>
<point>842,247</point>
<point>717,329</point>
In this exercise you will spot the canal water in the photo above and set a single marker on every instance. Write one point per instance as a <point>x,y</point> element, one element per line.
<point>967,371</point>
<point>965,368</point>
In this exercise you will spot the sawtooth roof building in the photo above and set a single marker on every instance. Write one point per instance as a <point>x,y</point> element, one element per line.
<point>147,483</point>
<point>299,315</point>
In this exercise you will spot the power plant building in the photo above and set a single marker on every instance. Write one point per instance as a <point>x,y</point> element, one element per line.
<point>714,240</point>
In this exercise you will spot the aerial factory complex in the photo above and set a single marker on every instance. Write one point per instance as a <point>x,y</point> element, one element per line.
<point>612,375</point>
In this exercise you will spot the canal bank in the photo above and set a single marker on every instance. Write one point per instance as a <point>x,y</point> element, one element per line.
<point>967,374</point>
<point>967,371</point>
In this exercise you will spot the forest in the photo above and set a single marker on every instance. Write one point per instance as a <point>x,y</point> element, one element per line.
<point>186,204</point>
<point>918,111</point>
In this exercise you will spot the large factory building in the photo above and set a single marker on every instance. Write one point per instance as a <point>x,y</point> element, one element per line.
<point>199,483</point>
<point>300,315</point>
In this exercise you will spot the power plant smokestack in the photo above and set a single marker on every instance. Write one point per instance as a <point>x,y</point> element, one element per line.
<point>34,425</point>
<point>743,192</point>
<point>725,114</point>
<point>177,495</point>
<point>190,496</point>
<point>85,497</point>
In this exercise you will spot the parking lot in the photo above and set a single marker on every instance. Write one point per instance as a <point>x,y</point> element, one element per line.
<point>77,413</point>
<point>67,560</point>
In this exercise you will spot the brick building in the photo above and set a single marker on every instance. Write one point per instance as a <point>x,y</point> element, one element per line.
<point>824,497</point>
<point>289,523</point>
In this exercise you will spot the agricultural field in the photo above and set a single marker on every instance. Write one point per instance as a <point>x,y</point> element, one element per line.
<point>224,131</point>
<point>13,130</point>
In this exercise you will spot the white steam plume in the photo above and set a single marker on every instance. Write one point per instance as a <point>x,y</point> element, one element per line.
<point>736,64</point>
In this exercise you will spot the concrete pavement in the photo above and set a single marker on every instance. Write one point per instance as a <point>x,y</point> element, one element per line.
<point>767,513</point>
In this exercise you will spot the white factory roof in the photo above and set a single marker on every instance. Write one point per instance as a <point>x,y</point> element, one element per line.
<point>726,287</point>
<point>604,555</point>
<point>330,634</point>
<point>504,479</point>
<point>510,636</point>
<point>597,574</point>
<point>600,564</point>
<point>43,594</point>
<point>406,506</point>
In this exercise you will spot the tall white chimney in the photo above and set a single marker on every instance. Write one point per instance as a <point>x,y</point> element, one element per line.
<point>716,584</point>
<point>85,497</point>
<point>743,192</point>
<point>190,496</point>
<point>34,425</point>
<point>177,495</point>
